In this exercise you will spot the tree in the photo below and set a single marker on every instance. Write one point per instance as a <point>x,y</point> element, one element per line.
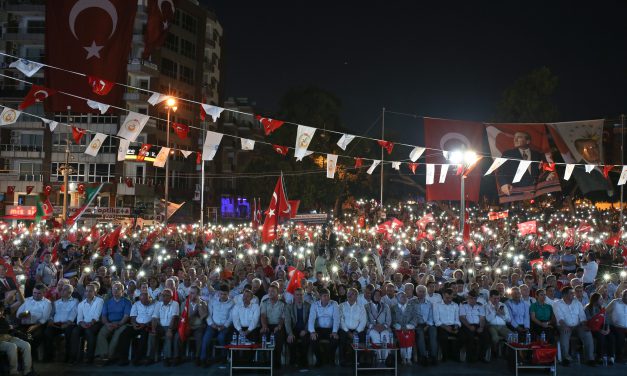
<point>528,100</point>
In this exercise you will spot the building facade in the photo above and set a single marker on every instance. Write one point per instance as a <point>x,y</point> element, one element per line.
<point>188,66</point>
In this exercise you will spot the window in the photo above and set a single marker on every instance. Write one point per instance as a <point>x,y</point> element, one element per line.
<point>188,23</point>
<point>172,42</point>
<point>168,67</point>
<point>35,26</point>
<point>77,172</point>
<point>188,49</point>
<point>101,172</point>
<point>108,146</point>
<point>27,200</point>
<point>187,75</point>
<point>143,83</point>
<point>30,171</point>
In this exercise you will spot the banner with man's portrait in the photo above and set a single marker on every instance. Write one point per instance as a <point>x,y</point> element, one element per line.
<point>522,142</point>
<point>581,142</point>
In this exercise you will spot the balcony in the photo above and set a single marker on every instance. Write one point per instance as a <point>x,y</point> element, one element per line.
<point>133,95</point>
<point>20,177</point>
<point>142,66</point>
<point>141,186</point>
<point>22,151</point>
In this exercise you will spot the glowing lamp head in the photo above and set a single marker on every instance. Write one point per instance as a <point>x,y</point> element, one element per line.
<point>170,102</point>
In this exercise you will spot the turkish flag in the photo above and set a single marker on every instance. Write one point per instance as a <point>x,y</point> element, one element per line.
<point>100,86</point>
<point>528,227</point>
<point>493,216</point>
<point>294,204</point>
<point>607,169</point>
<point>111,239</point>
<point>549,248</point>
<point>183,328</point>
<point>296,278</point>
<point>92,38</point>
<point>269,125</point>
<point>358,162</point>
<point>279,207</point>
<point>129,182</point>
<point>538,261</point>
<point>160,17</point>
<point>453,135</point>
<point>281,149</point>
<point>412,167</point>
<point>547,166</point>
<point>81,188</point>
<point>29,189</point>
<point>181,130</point>
<point>36,94</point>
<point>143,152</point>
<point>387,145</point>
<point>47,190</point>
<point>426,219</point>
<point>77,134</point>
<point>10,189</point>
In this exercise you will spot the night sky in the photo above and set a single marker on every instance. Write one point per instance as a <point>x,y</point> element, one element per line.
<point>440,58</point>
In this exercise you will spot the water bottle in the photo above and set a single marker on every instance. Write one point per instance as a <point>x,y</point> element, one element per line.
<point>578,358</point>
<point>235,338</point>
<point>264,342</point>
<point>272,340</point>
<point>367,340</point>
<point>385,342</point>
<point>242,339</point>
<point>605,361</point>
<point>355,340</point>
<point>543,337</point>
<point>528,338</point>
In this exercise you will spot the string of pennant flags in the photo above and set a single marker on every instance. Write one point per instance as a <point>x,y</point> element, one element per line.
<point>135,122</point>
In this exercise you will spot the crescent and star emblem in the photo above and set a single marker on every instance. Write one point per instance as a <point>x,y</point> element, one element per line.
<point>80,6</point>
<point>40,95</point>
<point>160,5</point>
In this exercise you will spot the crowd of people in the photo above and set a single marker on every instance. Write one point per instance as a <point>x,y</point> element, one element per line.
<point>407,278</point>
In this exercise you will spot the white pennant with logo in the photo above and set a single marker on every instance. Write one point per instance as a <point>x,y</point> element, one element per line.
<point>304,135</point>
<point>132,126</point>
<point>94,146</point>
<point>331,165</point>
<point>162,157</point>
<point>416,153</point>
<point>123,149</point>
<point>345,140</point>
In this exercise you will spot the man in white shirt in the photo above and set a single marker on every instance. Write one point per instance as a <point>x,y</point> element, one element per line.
<point>88,324</point>
<point>34,314</point>
<point>472,317</point>
<point>62,321</point>
<point>353,321</point>
<point>446,318</point>
<point>390,295</point>
<point>219,323</point>
<point>246,317</point>
<point>141,315</point>
<point>432,296</point>
<point>165,320</point>
<point>425,326</point>
<point>324,323</point>
<point>617,315</point>
<point>497,317</point>
<point>570,317</point>
<point>590,269</point>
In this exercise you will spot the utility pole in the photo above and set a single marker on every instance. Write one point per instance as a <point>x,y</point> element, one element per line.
<point>622,162</point>
<point>66,169</point>
<point>383,139</point>
<point>170,105</point>
<point>202,181</point>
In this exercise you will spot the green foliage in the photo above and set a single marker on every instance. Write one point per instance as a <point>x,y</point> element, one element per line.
<point>528,100</point>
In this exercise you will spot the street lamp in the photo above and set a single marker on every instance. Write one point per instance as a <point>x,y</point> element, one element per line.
<point>464,159</point>
<point>170,105</point>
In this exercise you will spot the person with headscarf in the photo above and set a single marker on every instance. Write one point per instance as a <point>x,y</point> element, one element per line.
<point>404,320</point>
<point>379,322</point>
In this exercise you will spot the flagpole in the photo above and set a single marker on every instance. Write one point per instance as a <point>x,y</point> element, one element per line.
<point>66,171</point>
<point>202,182</point>
<point>622,162</point>
<point>382,139</point>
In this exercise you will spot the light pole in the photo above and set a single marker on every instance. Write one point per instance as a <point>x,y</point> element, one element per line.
<point>465,159</point>
<point>170,105</point>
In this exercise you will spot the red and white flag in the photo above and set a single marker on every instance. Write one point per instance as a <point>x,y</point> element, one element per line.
<point>77,134</point>
<point>279,207</point>
<point>296,277</point>
<point>36,94</point>
<point>387,145</point>
<point>160,18</point>
<point>280,149</point>
<point>100,86</point>
<point>90,37</point>
<point>269,125</point>
<point>426,219</point>
<point>181,130</point>
<point>493,216</point>
<point>526,228</point>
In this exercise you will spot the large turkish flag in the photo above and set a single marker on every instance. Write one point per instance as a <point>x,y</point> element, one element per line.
<point>452,135</point>
<point>92,37</point>
<point>160,18</point>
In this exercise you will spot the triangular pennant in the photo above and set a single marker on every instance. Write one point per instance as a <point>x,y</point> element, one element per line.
<point>412,167</point>
<point>430,173</point>
<point>387,145</point>
<point>374,165</point>
<point>307,153</point>
<point>568,171</point>
<point>162,157</point>
<point>589,168</point>
<point>186,153</point>
<point>269,125</point>
<point>331,165</point>
<point>77,134</point>
<point>280,149</point>
<point>607,169</point>
<point>51,123</point>
<point>304,135</point>
<point>247,144</point>
<point>345,140</point>
<point>157,98</point>
<point>522,168</point>
<point>396,166</point>
<point>443,172</point>
<point>358,162</point>
<point>623,176</point>
<point>133,125</point>
<point>98,106</point>
<point>416,153</point>
<point>9,116</point>
<point>210,147</point>
<point>100,86</point>
<point>96,142</point>
<point>123,149</point>
<point>213,111</point>
<point>498,162</point>
<point>29,68</point>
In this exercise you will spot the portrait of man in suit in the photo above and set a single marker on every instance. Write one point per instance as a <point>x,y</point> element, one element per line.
<point>594,181</point>
<point>521,151</point>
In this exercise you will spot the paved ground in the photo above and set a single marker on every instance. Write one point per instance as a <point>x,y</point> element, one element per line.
<point>496,368</point>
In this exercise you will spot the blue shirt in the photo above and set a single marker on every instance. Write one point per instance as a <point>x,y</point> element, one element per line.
<point>519,313</point>
<point>114,311</point>
<point>300,322</point>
